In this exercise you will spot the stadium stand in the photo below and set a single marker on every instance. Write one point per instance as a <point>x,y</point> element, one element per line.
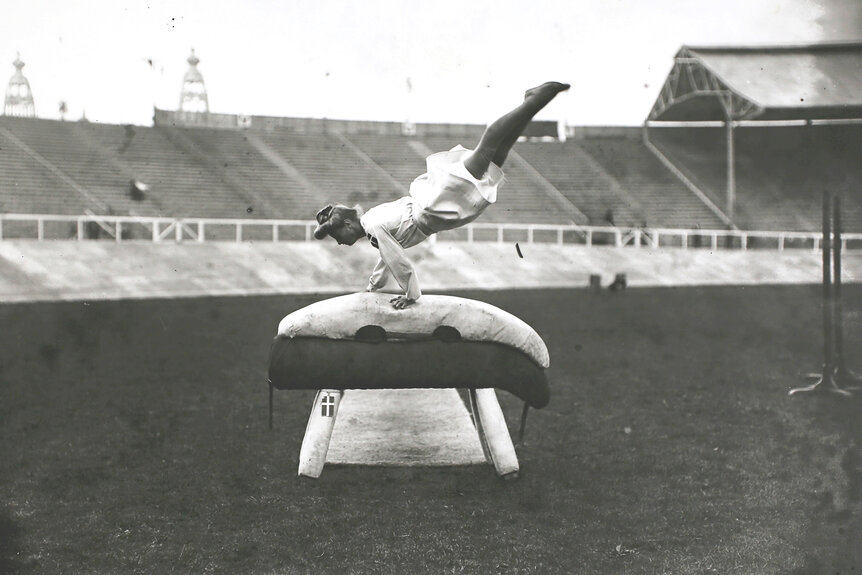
<point>583,182</point>
<point>85,152</point>
<point>64,173</point>
<point>780,171</point>
<point>223,166</point>
<point>794,114</point>
<point>239,159</point>
<point>398,155</point>
<point>662,200</point>
<point>332,166</point>
<point>75,167</point>
<point>27,185</point>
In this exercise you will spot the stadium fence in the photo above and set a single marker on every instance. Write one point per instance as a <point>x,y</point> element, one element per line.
<point>43,227</point>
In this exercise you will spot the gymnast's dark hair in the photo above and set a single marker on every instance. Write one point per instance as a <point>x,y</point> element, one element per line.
<point>333,216</point>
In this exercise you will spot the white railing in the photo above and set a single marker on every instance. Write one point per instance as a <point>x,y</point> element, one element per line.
<point>43,227</point>
<point>652,237</point>
<point>157,229</point>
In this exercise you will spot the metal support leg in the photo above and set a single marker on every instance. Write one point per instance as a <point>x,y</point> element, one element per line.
<point>826,381</point>
<point>270,405</point>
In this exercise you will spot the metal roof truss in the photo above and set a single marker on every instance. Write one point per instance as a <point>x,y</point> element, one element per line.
<point>690,79</point>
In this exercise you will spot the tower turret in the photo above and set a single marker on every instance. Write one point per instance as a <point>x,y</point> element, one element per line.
<point>193,97</point>
<point>19,97</point>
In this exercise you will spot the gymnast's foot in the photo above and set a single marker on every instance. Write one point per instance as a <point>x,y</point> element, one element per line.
<point>546,92</point>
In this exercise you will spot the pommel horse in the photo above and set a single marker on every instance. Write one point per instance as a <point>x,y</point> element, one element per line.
<point>359,341</point>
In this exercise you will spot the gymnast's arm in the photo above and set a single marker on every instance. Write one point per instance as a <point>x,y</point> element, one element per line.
<point>379,276</point>
<point>395,259</point>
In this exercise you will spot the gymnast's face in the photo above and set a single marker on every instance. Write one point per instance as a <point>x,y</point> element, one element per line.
<point>348,232</point>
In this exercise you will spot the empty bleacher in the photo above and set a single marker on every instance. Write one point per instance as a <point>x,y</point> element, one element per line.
<point>56,167</point>
<point>781,171</point>
<point>618,180</point>
<point>398,155</point>
<point>332,167</point>
<point>64,165</point>
<point>26,186</point>
<point>178,182</point>
<point>238,160</point>
<point>662,199</point>
<point>583,181</point>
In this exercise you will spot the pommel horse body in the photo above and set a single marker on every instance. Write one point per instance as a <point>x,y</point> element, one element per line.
<point>359,341</point>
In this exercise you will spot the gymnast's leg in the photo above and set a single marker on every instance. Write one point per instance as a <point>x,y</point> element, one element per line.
<point>501,135</point>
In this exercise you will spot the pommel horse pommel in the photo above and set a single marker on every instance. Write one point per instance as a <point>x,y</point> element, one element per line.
<point>358,342</point>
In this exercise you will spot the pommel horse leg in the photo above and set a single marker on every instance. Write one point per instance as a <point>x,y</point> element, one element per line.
<point>318,432</point>
<point>493,432</point>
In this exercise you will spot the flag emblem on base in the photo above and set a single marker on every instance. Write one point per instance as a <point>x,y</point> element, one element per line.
<point>327,406</point>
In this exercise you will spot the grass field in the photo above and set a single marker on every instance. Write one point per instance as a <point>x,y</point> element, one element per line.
<point>133,439</point>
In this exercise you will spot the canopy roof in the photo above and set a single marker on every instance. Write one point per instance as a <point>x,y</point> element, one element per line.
<point>822,81</point>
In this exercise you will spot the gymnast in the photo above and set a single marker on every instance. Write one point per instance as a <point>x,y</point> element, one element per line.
<point>457,187</point>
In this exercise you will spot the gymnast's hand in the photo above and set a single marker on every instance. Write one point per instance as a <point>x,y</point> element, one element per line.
<point>401,302</point>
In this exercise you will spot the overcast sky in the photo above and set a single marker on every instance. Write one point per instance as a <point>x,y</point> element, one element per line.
<point>467,61</point>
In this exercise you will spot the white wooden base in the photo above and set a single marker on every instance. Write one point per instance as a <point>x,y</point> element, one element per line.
<point>315,444</point>
<point>403,428</point>
<point>407,427</point>
<point>493,431</point>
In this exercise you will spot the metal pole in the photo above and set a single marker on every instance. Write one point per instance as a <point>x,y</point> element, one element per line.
<point>731,170</point>
<point>842,374</point>
<point>270,404</point>
<point>827,283</point>
<point>836,282</point>
<point>827,377</point>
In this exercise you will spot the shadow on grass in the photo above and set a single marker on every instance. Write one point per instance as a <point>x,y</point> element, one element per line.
<point>835,525</point>
<point>10,543</point>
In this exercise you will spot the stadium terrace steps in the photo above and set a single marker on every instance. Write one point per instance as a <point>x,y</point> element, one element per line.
<point>578,176</point>
<point>57,167</point>
<point>77,165</point>
<point>89,270</point>
<point>780,171</point>
<point>28,187</point>
<point>331,166</point>
<point>178,185</point>
<point>148,205</point>
<point>394,154</point>
<point>235,188</point>
<point>660,195</point>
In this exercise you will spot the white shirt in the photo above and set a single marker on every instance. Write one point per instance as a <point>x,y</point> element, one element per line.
<point>392,225</point>
<point>447,196</point>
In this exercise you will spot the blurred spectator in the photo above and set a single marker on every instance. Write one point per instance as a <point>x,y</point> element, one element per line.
<point>137,189</point>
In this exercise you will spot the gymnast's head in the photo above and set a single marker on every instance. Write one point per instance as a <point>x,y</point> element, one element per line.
<point>341,223</point>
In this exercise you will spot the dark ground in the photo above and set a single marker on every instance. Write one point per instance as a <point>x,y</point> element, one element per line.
<point>133,439</point>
